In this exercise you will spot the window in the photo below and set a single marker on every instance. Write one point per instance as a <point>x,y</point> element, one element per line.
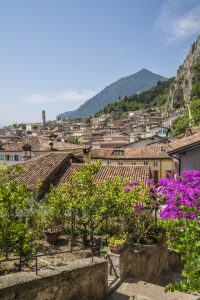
<point>16,157</point>
<point>109,162</point>
<point>104,145</point>
<point>155,176</point>
<point>134,163</point>
<point>121,163</point>
<point>164,131</point>
<point>32,156</point>
<point>9,157</point>
<point>145,162</point>
<point>160,130</point>
<point>21,158</point>
<point>155,163</point>
<point>118,153</point>
<point>1,157</point>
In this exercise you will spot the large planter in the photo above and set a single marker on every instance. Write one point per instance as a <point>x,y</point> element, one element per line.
<point>51,236</point>
<point>114,248</point>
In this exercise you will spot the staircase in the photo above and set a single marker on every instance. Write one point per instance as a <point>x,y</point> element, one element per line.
<point>132,289</point>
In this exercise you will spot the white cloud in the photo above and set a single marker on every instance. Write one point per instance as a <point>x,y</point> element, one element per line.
<point>61,97</point>
<point>173,27</point>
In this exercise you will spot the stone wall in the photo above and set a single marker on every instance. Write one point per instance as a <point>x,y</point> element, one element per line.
<point>143,262</point>
<point>80,279</point>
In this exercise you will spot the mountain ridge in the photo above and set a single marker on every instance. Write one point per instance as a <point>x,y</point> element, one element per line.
<point>129,85</point>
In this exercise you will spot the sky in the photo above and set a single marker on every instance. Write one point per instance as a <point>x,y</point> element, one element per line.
<point>56,54</point>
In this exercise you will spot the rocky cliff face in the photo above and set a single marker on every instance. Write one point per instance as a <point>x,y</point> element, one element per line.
<point>181,90</point>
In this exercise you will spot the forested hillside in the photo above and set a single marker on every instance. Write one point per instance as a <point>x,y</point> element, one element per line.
<point>156,96</point>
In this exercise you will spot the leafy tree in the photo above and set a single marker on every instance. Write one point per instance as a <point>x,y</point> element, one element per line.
<point>180,124</point>
<point>88,121</point>
<point>14,125</point>
<point>15,201</point>
<point>91,201</point>
<point>196,89</point>
<point>159,83</point>
<point>53,136</point>
<point>195,110</point>
<point>176,104</point>
<point>74,140</point>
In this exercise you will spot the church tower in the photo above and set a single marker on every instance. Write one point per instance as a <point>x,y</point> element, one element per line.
<point>43,119</point>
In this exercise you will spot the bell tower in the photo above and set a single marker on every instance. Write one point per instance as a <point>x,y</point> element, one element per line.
<point>43,119</point>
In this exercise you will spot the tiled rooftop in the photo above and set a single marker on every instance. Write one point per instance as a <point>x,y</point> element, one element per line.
<point>184,142</point>
<point>41,144</point>
<point>151,151</point>
<point>55,168</point>
<point>106,172</point>
<point>41,168</point>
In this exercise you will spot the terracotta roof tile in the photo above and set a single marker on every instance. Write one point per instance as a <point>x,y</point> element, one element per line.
<point>40,169</point>
<point>41,144</point>
<point>106,172</point>
<point>184,142</point>
<point>151,151</point>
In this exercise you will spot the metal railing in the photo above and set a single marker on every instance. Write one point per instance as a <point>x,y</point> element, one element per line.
<point>48,254</point>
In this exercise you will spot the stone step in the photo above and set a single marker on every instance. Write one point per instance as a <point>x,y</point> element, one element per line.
<point>139,290</point>
<point>168,277</point>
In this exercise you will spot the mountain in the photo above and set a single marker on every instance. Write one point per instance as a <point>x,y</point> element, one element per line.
<point>156,96</point>
<point>133,84</point>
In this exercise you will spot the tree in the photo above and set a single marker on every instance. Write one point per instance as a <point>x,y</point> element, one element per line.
<point>159,83</point>
<point>176,104</point>
<point>14,125</point>
<point>91,201</point>
<point>88,121</point>
<point>196,89</point>
<point>74,140</point>
<point>180,124</point>
<point>15,202</point>
<point>195,110</point>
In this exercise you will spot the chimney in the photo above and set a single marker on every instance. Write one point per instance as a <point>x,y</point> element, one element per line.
<point>26,152</point>
<point>87,154</point>
<point>0,145</point>
<point>50,145</point>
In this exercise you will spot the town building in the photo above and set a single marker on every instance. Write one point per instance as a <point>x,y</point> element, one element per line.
<point>56,168</point>
<point>186,153</point>
<point>40,146</point>
<point>154,155</point>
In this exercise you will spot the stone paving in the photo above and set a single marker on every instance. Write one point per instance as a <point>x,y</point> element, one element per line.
<point>132,289</point>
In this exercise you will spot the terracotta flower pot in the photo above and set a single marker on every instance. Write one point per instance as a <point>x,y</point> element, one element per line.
<point>114,248</point>
<point>51,236</point>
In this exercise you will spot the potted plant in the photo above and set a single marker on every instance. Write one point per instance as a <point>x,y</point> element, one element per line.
<point>117,242</point>
<point>53,208</point>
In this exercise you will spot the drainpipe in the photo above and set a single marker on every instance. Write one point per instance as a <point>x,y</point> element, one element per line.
<point>160,167</point>
<point>179,165</point>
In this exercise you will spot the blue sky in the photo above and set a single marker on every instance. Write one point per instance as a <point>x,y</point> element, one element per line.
<point>56,54</point>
